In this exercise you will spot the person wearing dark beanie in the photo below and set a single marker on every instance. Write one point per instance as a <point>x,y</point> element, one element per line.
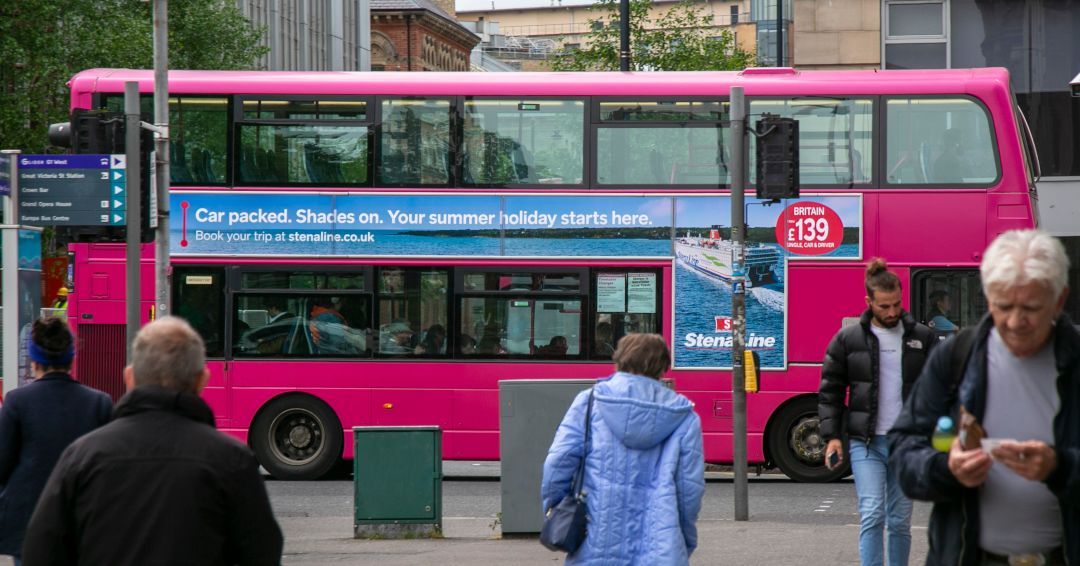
<point>37,422</point>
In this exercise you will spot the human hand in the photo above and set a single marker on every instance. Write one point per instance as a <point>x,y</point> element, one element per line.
<point>969,467</point>
<point>1032,459</point>
<point>836,447</point>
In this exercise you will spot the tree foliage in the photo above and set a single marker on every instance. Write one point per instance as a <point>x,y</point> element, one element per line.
<point>43,43</point>
<point>682,39</point>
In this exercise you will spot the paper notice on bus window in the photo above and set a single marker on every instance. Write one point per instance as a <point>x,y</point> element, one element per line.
<point>641,293</point>
<point>199,280</point>
<point>611,292</point>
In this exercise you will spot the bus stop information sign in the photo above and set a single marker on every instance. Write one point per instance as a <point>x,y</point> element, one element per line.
<point>72,190</point>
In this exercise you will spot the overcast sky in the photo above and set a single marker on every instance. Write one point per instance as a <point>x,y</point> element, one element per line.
<point>469,5</point>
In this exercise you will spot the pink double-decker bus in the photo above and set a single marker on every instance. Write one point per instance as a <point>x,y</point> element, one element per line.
<point>382,249</point>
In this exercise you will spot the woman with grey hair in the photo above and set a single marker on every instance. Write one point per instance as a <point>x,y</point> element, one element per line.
<point>644,465</point>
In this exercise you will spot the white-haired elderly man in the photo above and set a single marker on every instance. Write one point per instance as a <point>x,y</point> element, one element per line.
<point>1018,373</point>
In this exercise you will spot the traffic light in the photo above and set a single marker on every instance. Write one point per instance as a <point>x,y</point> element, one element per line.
<point>777,157</point>
<point>103,132</point>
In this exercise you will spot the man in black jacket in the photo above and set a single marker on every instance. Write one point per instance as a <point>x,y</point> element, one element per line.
<point>1019,376</point>
<point>159,485</point>
<point>873,365</point>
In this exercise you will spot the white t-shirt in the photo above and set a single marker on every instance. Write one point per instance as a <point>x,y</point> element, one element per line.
<point>1017,515</point>
<point>890,379</point>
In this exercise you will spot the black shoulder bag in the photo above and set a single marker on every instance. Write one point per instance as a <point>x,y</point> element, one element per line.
<point>565,524</point>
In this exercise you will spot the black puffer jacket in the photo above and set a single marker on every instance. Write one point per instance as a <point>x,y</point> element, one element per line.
<point>852,361</point>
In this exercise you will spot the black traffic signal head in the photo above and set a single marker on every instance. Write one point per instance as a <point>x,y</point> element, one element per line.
<point>777,157</point>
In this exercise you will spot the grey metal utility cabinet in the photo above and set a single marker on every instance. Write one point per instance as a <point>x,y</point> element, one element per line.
<point>529,413</point>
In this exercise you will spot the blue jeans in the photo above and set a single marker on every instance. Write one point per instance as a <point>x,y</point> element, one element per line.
<point>882,506</point>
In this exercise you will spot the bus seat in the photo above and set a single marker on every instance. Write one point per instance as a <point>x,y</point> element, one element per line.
<point>311,166</point>
<point>198,172</point>
<point>178,169</point>
<point>208,166</point>
<point>523,169</point>
<point>656,166</point>
<point>247,164</point>
<point>926,161</point>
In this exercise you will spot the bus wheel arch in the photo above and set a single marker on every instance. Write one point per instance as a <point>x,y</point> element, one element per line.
<point>793,442</point>
<point>296,436</point>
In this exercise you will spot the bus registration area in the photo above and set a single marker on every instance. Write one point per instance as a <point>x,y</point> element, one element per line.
<point>691,231</point>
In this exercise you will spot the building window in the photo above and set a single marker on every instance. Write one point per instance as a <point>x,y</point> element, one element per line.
<point>915,34</point>
<point>734,14</point>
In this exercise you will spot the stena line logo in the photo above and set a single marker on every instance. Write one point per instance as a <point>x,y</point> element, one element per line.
<point>701,341</point>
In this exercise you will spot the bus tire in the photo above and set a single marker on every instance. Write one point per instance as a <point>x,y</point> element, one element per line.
<point>297,437</point>
<point>796,446</point>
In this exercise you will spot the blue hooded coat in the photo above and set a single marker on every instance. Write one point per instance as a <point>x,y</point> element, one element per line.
<point>644,473</point>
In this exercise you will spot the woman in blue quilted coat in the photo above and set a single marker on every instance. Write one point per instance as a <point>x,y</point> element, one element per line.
<point>644,472</point>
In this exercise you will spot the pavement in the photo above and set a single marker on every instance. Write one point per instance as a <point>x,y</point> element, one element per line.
<point>773,540</point>
<point>479,541</point>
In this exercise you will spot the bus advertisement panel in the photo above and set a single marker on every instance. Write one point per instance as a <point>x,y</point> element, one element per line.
<point>692,230</point>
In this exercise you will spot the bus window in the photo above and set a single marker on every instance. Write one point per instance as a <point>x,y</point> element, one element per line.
<point>624,302</point>
<point>291,325</point>
<point>199,293</point>
<point>322,142</point>
<point>835,137</point>
<point>663,143</point>
<point>947,300</point>
<point>414,142</point>
<point>199,128</point>
<point>412,311</point>
<point>943,141</point>
<point>524,142</point>
<point>348,280</point>
<point>513,326</point>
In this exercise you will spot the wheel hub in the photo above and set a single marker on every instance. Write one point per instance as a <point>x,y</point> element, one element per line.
<point>806,441</point>
<point>296,437</point>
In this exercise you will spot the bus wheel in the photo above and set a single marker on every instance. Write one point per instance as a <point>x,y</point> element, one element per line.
<point>796,445</point>
<point>297,438</point>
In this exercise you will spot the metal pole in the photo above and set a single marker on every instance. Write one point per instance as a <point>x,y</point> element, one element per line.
<point>11,276</point>
<point>624,35</point>
<point>132,147</point>
<point>738,299</point>
<point>161,150</point>
<point>363,35</point>
<point>779,33</point>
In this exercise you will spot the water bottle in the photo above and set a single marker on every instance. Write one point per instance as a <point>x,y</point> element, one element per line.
<point>944,433</point>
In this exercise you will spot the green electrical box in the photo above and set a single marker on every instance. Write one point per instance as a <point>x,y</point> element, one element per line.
<point>397,474</point>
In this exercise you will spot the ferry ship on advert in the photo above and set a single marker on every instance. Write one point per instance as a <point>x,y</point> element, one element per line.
<point>712,256</point>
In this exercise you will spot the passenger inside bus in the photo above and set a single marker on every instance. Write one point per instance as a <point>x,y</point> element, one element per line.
<point>329,331</point>
<point>434,341</point>
<point>491,341</point>
<point>938,316</point>
<point>272,337</point>
<point>556,347</point>
<point>396,338</point>
<point>950,166</point>
<point>466,344</point>
<point>604,345</point>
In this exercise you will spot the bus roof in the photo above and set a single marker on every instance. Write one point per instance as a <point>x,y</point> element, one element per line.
<point>756,81</point>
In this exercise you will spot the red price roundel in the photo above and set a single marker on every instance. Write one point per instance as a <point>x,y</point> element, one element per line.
<point>809,228</point>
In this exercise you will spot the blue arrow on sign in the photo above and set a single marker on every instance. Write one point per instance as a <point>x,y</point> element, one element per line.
<point>117,189</point>
<point>117,175</point>
<point>117,218</point>
<point>117,204</point>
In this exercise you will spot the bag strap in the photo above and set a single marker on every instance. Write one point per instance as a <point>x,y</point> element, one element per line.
<point>579,475</point>
<point>960,353</point>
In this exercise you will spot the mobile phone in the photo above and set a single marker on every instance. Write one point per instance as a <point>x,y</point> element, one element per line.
<point>834,459</point>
